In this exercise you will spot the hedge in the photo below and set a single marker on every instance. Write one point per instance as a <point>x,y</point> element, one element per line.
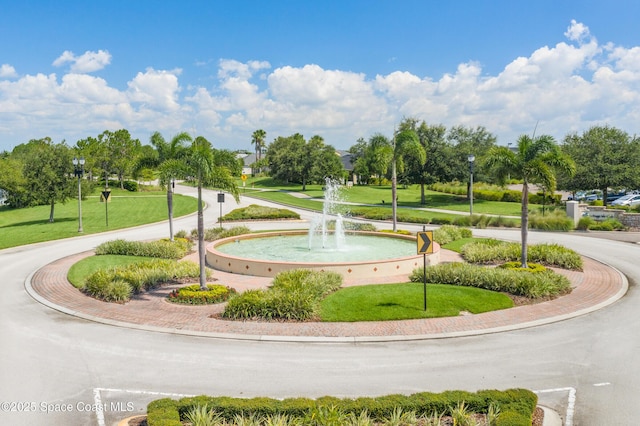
<point>516,405</point>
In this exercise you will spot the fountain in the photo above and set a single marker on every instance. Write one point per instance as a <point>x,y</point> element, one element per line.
<point>320,224</point>
<point>353,254</point>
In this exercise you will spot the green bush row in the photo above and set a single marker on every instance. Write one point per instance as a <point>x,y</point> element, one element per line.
<point>192,295</point>
<point>556,220</point>
<point>120,283</point>
<point>610,224</point>
<point>515,406</point>
<point>496,193</point>
<point>164,249</point>
<point>480,221</point>
<point>495,251</point>
<point>293,295</point>
<point>532,285</point>
<point>256,212</point>
<point>216,233</point>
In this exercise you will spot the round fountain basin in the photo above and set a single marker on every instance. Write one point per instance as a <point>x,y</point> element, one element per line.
<point>365,254</point>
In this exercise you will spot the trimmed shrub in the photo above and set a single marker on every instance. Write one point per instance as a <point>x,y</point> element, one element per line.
<point>532,285</point>
<point>551,221</point>
<point>165,249</point>
<point>515,405</point>
<point>118,284</point>
<point>130,185</point>
<point>256,212</point>
<point>212,234</point>
<point>294,295</point>
<point>495,251</point>
<point>517,266</point>
<point>192,295</point>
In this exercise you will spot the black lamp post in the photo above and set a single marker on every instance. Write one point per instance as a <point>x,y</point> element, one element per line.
<point>471,159</point>
<point>78,171</point>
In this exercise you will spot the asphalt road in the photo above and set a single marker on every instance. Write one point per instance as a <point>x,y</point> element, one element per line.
<point>59,370</point>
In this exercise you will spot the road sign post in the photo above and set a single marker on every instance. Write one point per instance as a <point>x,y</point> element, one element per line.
<point>220,201</point>
<point>425,246</point>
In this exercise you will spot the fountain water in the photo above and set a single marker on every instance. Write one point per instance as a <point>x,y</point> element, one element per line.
<point>362,254</point>
<point>319,225</point>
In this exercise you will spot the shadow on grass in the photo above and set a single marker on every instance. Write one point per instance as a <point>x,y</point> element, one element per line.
<point>41,222</point>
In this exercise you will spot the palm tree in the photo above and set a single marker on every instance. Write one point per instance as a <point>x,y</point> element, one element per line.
<point>535,161</point>
<point>201,165</point>
<point>405,144</point>
<point>170,155</point>
<point>257,139</point>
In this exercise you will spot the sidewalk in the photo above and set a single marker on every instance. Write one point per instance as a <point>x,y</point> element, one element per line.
<point>596,287</point>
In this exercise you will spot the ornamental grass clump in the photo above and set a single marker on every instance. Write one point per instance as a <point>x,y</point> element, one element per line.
<point>449,233</point>
<point>293,296</point>
<point>495,251</point>
<point>120,283</point>
<point>519,283</point>
<point>164,249</point>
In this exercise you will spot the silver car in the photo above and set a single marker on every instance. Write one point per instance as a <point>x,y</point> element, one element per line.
<point>627,200</point>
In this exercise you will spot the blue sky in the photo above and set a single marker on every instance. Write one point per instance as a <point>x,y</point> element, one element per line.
<point>340,69</point>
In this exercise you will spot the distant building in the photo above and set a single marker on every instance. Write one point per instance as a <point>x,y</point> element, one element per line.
<point>3,197</point>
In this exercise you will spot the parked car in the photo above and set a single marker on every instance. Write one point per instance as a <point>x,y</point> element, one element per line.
<point>612,196</point>
<point>627,200</point>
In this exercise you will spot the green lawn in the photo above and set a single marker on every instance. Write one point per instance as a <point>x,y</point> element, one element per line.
<point>406,301</point>
<point>375,195</point>
<point>125,209</point>
<point>79,271</point>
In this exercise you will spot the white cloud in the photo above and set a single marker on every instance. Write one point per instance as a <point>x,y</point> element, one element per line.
<point>87,62</point>
<point>567,87</point>
<point>7,71</point>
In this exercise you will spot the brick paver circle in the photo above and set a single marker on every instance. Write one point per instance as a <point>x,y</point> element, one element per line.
<point>597,286</point>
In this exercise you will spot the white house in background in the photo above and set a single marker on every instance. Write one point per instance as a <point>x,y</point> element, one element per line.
<point>3,197</point>
<point>247,161</point>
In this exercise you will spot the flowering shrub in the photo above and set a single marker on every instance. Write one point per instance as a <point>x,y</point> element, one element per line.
<point>192,295</point>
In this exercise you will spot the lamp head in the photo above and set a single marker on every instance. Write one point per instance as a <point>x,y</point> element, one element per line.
<point>471,158</point>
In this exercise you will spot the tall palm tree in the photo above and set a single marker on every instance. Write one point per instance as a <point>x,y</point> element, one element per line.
<point>535,161</point>
<point>405,144</point>
<point>257,139</point>
<point>170,155</point>
<point>201,165</point>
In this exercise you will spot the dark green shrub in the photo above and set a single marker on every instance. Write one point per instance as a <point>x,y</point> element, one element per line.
<point>609,224</point>
<point>441,220</point>
<point>130,185</point>
<point>515,405</point>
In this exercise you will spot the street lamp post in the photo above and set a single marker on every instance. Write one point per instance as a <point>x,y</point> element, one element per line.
<point>78,171</point>
<point>471,159</point>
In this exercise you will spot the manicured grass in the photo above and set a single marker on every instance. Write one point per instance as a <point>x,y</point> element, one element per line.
<point>373,194</point>
<point>406,301</point>
<point>126,209</point>
<point>81,270</point>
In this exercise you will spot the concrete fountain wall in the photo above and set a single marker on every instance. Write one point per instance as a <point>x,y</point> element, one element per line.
<point>361,269</point>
